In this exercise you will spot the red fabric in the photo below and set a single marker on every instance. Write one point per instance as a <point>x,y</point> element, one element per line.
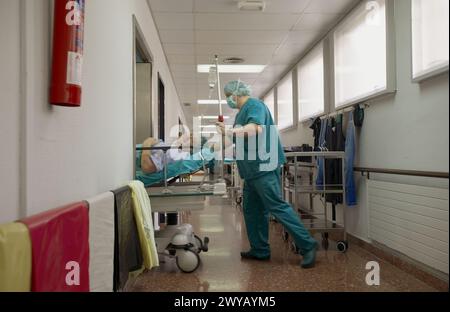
<point>59,236</point>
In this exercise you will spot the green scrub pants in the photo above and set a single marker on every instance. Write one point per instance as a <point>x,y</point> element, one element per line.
<point>262,197</point>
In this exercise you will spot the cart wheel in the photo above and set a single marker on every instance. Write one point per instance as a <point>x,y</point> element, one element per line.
<point>342,246</point>
<point>188,261</point>
<point>198,243</point>
<point>238,200</point>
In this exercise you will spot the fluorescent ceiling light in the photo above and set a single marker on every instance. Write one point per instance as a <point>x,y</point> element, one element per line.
<point>208,132</point>
<point>252,5</point>
<point>233,69</point>
<point>212,117</point>
<point>211,102</point>
<point>208,127</point>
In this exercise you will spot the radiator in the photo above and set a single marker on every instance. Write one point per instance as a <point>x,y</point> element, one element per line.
<point>412,220</point>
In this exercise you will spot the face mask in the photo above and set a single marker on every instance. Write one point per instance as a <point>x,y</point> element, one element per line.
<point>231,103</point>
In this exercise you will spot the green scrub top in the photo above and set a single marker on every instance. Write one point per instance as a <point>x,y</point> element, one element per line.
<point>259,157</point>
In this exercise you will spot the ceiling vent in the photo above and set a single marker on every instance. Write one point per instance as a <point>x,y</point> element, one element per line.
<point>255,6</point>
<point>233,60</point>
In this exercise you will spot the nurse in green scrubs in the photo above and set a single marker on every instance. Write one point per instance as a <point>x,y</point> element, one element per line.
<point>259,159</point>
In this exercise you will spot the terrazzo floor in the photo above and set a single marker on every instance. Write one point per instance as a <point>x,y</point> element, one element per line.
<point>222,269</point>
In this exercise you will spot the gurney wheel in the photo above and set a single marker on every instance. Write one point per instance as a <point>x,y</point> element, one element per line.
<point>342,246</point>
<point>188,261</point>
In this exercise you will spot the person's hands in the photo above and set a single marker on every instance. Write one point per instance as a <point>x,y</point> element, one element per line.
<point>220,127</point>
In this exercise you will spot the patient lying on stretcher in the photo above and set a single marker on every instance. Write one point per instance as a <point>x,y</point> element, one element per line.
<point>152,161</point>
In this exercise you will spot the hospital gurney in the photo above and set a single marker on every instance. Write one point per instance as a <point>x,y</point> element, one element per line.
<point>179,241</point>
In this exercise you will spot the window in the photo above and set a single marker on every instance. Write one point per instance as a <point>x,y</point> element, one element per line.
<point>429,37</point>
<point>360,54</point>
<point>285,103</point>
<point>269,100</point>
<point>311,95</point>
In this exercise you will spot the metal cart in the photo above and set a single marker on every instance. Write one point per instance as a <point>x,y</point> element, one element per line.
<point>294,185</point>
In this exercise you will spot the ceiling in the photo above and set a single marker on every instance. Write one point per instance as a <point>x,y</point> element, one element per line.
<point>193,31</point>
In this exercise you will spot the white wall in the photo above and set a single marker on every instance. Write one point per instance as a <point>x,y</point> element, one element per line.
<point>407,131</point>
<point>73,153</point>
<point>9,109</point>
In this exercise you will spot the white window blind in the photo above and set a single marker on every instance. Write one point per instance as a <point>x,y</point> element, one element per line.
<point>311,96</point>
<point>285,103</point>
<point>269,100</point>
<point>430,23</point>
<point>360,53</point>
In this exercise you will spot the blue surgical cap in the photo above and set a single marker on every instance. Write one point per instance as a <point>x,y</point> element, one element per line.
<point>238,88</point>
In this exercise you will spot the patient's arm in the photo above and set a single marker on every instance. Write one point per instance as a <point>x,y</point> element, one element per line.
<point>147,165</point>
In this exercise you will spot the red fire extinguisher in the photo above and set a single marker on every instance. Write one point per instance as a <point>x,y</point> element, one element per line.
<point>67,62</point>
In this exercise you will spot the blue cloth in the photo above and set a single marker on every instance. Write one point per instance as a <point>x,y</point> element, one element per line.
<point>350,189</point>
<point>175,169</point>
<point>256,160</point>
<point>263,197</point>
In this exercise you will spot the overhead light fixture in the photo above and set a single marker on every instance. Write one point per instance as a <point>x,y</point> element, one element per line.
<point>251,5</point>
<point>212,117</point>
<point>208,132</point>
<point>232,69</point>
<point>211,102</point>
<point>209,127</point>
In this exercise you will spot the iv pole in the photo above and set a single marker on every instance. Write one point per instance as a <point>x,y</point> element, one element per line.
<point>221,119</point>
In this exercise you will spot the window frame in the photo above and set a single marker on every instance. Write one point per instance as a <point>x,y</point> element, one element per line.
<point>426,74</point>
<point>391,69</point>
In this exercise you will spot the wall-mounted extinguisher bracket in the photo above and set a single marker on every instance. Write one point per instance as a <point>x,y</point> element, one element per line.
<point>67,57</point>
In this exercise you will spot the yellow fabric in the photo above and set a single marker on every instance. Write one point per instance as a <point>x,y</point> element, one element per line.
<point>143,216</point>
<point>15,258</point>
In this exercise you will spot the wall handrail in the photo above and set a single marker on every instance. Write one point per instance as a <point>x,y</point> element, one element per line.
<point>427,174</point>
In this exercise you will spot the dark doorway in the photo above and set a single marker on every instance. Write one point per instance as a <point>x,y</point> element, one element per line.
<point>162,111</point>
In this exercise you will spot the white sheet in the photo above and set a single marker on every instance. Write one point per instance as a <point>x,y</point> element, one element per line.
<point>101,242</point>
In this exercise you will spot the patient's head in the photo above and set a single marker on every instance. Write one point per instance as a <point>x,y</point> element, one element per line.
<point>149,142</point>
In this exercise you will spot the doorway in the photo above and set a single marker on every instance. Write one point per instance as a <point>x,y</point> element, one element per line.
<point>142,90</point>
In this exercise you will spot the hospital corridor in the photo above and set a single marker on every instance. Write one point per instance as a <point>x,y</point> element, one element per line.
<point>224,153</point>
